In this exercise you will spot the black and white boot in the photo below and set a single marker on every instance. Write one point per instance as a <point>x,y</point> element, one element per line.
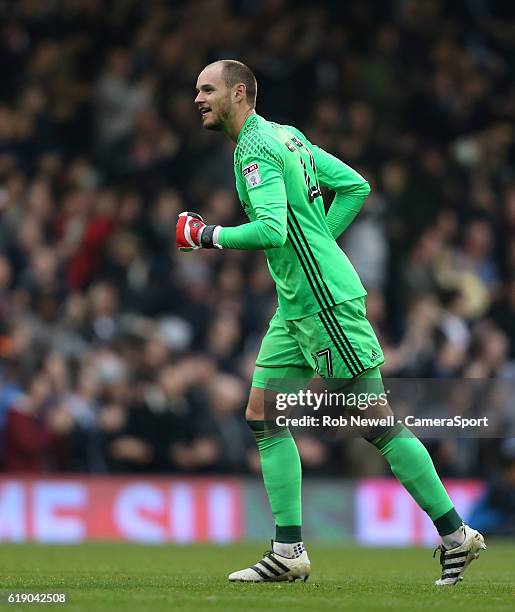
<point>276,568</point>
<point>454,561</point>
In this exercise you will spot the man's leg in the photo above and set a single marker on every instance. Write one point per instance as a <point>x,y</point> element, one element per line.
<point>280,466</point>
<point>345,348</point>
<point>413,467</point>
<point>280,368</point>
<point>411,464</point>
<point>356,354</point>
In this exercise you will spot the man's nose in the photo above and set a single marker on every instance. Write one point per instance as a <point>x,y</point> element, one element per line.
<point>198,99</point>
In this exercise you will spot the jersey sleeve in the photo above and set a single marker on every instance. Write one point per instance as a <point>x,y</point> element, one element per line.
<point>263,175</point>
<point>350,188</point>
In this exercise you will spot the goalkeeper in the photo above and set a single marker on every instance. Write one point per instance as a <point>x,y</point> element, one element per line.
<point>320,324</point>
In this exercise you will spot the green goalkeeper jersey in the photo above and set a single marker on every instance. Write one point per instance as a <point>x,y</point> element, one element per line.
<point>278,178</point>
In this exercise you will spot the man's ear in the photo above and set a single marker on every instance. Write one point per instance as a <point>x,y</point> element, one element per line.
<point>240,91</point>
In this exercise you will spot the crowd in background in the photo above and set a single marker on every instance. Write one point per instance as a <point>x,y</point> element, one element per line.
<point>120,354</point>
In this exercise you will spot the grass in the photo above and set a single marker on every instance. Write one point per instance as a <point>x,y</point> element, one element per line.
<point>128,577</point>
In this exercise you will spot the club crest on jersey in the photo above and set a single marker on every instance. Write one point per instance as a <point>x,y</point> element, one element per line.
<point>251,174</point>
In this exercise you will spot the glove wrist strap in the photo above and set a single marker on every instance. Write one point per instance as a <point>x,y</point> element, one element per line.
<point>209,237</point>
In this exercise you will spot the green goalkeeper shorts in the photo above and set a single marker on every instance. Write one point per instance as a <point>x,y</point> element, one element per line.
<point>335,343</point>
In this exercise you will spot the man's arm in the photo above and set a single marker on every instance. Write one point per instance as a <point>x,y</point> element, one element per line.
<point>350,187</point>
<point>263,175</point>
<point>268,231</point>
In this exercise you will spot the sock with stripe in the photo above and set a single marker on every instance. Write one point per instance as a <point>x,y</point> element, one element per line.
<point>282,475</point>
<point>411,463</point>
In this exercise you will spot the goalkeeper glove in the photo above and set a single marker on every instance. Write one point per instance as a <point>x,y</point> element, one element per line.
<point>192,233</point>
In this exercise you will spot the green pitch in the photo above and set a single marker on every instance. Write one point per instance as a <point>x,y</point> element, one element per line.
<point>126,577</point>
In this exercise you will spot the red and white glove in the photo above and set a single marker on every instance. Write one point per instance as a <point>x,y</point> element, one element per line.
<point>192,233</point>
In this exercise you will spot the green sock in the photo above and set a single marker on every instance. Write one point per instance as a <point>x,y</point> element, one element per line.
<point>282,474</point>
<point>412,465</point>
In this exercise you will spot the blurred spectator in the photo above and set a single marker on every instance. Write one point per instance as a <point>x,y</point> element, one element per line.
<point>127,437</point>
<point>190,441</point>
<point>120,96</point>
<point>494,513</point>
<point>227,397</point>
<point>503,314</point>
<point>37,430</point>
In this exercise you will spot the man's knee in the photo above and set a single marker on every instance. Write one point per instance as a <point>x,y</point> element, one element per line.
<point>252,413</point>
<point>382,415</point>
<point>256,405</point>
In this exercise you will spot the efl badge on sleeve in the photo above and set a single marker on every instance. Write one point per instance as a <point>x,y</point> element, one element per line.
<point>251,175</point>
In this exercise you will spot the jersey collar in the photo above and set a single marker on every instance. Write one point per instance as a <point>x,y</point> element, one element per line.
<point>246,125</point>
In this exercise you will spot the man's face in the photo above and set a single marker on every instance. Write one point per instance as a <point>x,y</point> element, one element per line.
<point>213,98</point>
